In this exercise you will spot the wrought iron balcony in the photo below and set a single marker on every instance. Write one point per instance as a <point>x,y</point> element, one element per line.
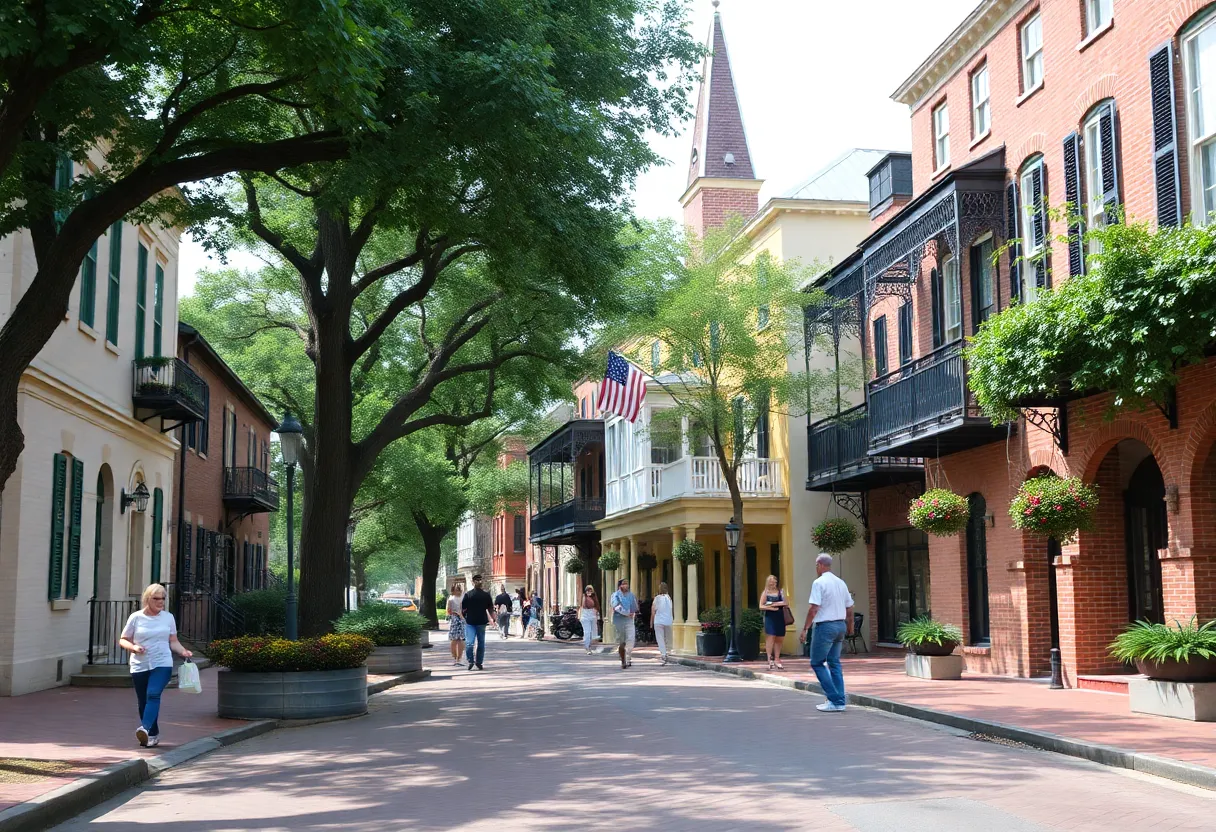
<point>839,459</point>
<point>566,521</point>
<point>250,490</point>
<point>924,408</point>
<point>168,388</point>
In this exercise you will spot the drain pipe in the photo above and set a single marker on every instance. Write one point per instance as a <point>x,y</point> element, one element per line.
<point>179,570</point>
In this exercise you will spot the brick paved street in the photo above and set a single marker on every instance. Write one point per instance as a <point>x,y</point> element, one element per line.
<point>548,738</point>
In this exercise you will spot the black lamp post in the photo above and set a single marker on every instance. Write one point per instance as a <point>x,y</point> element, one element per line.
<point>732,542</point>
<point>350,538</point>
<point>138,498</point>
<point>291,437</point>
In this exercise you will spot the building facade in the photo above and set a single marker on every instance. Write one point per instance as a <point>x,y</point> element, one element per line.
<point>473,545</point>
<point>1029,106</point>
<point>97,407</point>
<point>509,530</point>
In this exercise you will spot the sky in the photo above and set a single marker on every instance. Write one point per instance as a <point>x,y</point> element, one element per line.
<point>814,79</point>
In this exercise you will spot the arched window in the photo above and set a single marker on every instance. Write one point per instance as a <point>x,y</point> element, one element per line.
<point>1033,196</point>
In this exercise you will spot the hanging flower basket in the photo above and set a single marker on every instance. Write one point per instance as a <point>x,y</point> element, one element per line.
<point>834,535</point>
<point>1054,506</point>
<point>647,561</point>
<point>609,561</point>
<point>574,566</point>
<point>939,512</point>
<point>689,551</point>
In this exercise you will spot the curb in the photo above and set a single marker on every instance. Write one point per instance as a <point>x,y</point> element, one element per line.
<point>403,679</point>
<point>1106,755</point>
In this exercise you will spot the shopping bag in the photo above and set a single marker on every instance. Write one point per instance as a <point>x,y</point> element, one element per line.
<point>188,680</point>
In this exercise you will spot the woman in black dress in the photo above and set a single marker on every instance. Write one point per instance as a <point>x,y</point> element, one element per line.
<point>772,601</point>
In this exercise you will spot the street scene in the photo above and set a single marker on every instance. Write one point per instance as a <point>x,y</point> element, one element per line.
<point>665,413</point>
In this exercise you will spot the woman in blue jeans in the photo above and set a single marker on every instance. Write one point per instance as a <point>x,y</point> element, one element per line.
<point>150,635</point>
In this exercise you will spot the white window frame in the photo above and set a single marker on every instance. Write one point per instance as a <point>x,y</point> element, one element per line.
<point>1203,196</point>
<point>981,103</point>
<point>941,136</point>
<point>952,301</point>
<point>1030,249</point>
<point>1091,170</point>
<point>1098,15</point>
<point>1032,54</point>
<point>986,269</point>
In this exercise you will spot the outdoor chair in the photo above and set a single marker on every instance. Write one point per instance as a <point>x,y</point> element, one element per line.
<point>858,620</point>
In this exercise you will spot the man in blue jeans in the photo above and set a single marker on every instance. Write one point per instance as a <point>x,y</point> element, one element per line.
<point>477,606</point>
<point>831,613</point>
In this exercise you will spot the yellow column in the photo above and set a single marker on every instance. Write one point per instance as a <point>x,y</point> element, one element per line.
<point>633,564</point>
<point>606,632</point>
<point>677,591</point>
<point>693,598</point>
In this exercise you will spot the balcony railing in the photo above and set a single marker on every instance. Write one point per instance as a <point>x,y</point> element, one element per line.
<point>170,389</point>
<point>693,476</point>
<point>251,489</point>
<point>838,449</point>
<point>568,518</point>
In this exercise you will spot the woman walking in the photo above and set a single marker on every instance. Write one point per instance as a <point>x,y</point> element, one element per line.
<point>772,601</point>
<point>588,615</point>
<point>661,620</point>
<point>150,635</point>
<point>456,625</point>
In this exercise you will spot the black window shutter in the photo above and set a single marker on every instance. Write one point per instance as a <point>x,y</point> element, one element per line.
<point>880,346</point>
<point>158,531</point>
<point>1076,202</point>
<point>74,530</point>
<point>1165,135</point>
<point>1108,129</point>
<point>204,427</point>
<point>246,565</point>
<point>935,290</point>
<point>59,484</point>
<point>1038,185</point>
<point>185,540</point>
<point>973,266</point>
<point>1013,236</point>
<point>905,333</point>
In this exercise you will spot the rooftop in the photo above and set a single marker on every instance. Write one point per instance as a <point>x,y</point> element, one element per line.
<point>841,180</point>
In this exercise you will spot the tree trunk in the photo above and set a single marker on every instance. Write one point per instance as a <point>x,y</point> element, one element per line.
<point>432,540</point>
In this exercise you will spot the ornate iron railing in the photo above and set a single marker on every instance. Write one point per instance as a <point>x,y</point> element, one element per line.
<point>929,390</point>
<point>106,620</point>
<point>251,483</point>
<point>581,512</point>
<point>166,379</point>
<point>839,445</point>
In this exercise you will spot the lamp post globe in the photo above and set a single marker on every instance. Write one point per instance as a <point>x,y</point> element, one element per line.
<point>731,531</point>
<point>291,439</point>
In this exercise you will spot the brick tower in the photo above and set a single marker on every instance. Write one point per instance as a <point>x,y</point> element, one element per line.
<point>721,181</point>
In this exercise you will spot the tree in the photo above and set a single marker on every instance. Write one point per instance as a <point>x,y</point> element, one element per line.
<point>175,94</point>
<point>728,322</point>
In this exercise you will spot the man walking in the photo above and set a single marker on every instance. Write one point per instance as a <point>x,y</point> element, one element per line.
<point>625,608</point>
<point>503,602</point>
<point>831,613</point>
<point>476,607</point>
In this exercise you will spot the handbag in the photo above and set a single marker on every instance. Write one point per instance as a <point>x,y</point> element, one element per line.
<point>188,680</point>
<point>787,613</point>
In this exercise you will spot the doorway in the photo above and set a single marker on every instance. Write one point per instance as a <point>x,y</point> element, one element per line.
<point>1053,551</point>
<point>977,569</point>
<point>1146,531</point>
<point>902,572</point>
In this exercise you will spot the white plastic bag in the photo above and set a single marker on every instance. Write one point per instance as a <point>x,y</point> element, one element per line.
<point>188,680</point>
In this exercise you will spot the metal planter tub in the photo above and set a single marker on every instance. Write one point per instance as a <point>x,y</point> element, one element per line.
<point>311,694</point>
<point>395,660</point>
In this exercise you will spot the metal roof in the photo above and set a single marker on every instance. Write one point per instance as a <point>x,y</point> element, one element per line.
<point>843,179</point>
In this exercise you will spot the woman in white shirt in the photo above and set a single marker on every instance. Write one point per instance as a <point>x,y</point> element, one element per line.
<point>661,620</point>
<point>150,635</point>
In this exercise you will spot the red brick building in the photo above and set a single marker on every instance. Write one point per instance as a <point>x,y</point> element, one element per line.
<point>1030,103</point>
<point>223,475</point>
<point>509,531</point>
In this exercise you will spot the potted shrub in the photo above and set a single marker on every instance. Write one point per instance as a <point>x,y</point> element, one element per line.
<point>711,641</point>
<point>1180,665</point>
<point>609,561</point>
<point>689,552</point>
<point>396,633</point>
<point>1054,506</point>
<point>751,625</point>
<point>931,646</point>
<point>834,535</point>
<point>939,512</point>
<point>273,678</point>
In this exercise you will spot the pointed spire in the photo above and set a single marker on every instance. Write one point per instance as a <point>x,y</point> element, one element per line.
<point>719,142</point>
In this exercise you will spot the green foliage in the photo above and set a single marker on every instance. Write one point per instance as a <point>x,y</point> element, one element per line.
<point>689,551</point>
<point>574,565</point>
<point>1145,641</point>
<point>925,630</point>
<point>609,560</point>
<point>262,654</point>
<point>386,625</point>
<point>1145,309</point>
<point>939,512</point>
<point>264,611</point>
<point>712,618</point>
<point>751,621</point>
<point>834,535</point>
<point>1054,506</point>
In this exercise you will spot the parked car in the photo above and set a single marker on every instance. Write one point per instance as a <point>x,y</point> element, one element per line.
<point>407,604</point>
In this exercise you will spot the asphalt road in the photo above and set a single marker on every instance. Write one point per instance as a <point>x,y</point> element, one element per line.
<point>547,738</point>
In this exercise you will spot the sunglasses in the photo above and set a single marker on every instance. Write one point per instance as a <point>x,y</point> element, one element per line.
<point>158,597</point>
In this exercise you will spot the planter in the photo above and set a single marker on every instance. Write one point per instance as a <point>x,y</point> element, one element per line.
<point>1196,670</point>
<point>310,694</point>
<point>933,667</point>
<point>931,649</point>
<point>1194,701</point>
<point>748,645</point>
<point>395,660</point>
<point>711,643</point>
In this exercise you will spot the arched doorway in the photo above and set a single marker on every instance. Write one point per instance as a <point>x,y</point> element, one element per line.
<point>977,569</point>
<point>1146,532</point>
<point>103,536</point>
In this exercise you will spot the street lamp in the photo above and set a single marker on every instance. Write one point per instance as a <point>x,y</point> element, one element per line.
<point>732,542</point>
<point>291,438</point>
<point>350,538</point>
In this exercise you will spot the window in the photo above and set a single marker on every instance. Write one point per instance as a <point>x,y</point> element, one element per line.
<point>1095,215</point>
<point>158,530</point>
<point>1098,14</point>
<point>980,109</point>
<point>519,533</point>
<point>1034,270</point>
<point>761,316</point>
<point>880,186</point>
<point>983,292</point>
<point>763,429</point>
<point>1201,87</point>
<point>880,346</point>
<point>251,443</point>
<point>67,498</point>
<point>63,182</point>
<point>141,293</point>
<point>88,286</point>
<point>158,308</point>
<point>656,355</point>
<point>1032,53</point>
<point>941,136</point>
<point>905,334</point>
<point>229,449</point>
<point>112,288</point>
<point>977,569</point>
<point>953,297</point>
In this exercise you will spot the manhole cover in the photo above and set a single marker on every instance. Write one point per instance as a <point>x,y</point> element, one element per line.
<point>19,770</point>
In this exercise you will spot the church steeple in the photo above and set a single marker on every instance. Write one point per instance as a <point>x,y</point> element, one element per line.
<point>721,180</point>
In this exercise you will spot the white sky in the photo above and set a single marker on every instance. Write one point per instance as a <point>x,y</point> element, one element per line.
<point>814,78</point>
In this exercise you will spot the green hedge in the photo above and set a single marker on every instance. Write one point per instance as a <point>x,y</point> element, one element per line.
<point>259,654</point>
<point>264,611</point>
<point>384,624</point>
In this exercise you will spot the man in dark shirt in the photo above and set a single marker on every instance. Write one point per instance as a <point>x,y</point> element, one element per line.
<point>503,602</point>
<point>476,607</point>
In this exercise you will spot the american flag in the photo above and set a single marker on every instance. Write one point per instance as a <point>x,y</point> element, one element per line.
<point>623,389</point>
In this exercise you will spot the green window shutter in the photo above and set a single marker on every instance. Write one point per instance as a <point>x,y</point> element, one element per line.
<point>158,529</point>
<point>158,308</point>
<point>74,532</point>
<point>112,290</point>
<point>88,286</point>
<point>141,293</point>
<point>100,521</point>
<point>59,478</point>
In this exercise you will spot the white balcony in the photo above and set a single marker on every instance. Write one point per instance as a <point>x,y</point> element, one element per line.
<point>692,476</point>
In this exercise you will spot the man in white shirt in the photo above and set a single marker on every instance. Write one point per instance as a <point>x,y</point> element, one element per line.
<point>831,613</point>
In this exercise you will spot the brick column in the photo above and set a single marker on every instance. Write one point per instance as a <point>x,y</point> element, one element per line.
<point>677,577</point>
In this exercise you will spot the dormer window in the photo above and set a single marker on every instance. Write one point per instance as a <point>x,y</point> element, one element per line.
<point>729,158</point>
<point>890,178</point>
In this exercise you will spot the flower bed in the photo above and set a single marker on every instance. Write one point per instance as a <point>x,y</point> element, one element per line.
<point>1054,506</point>
<point>261,654</point>
<point>939,512</point>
